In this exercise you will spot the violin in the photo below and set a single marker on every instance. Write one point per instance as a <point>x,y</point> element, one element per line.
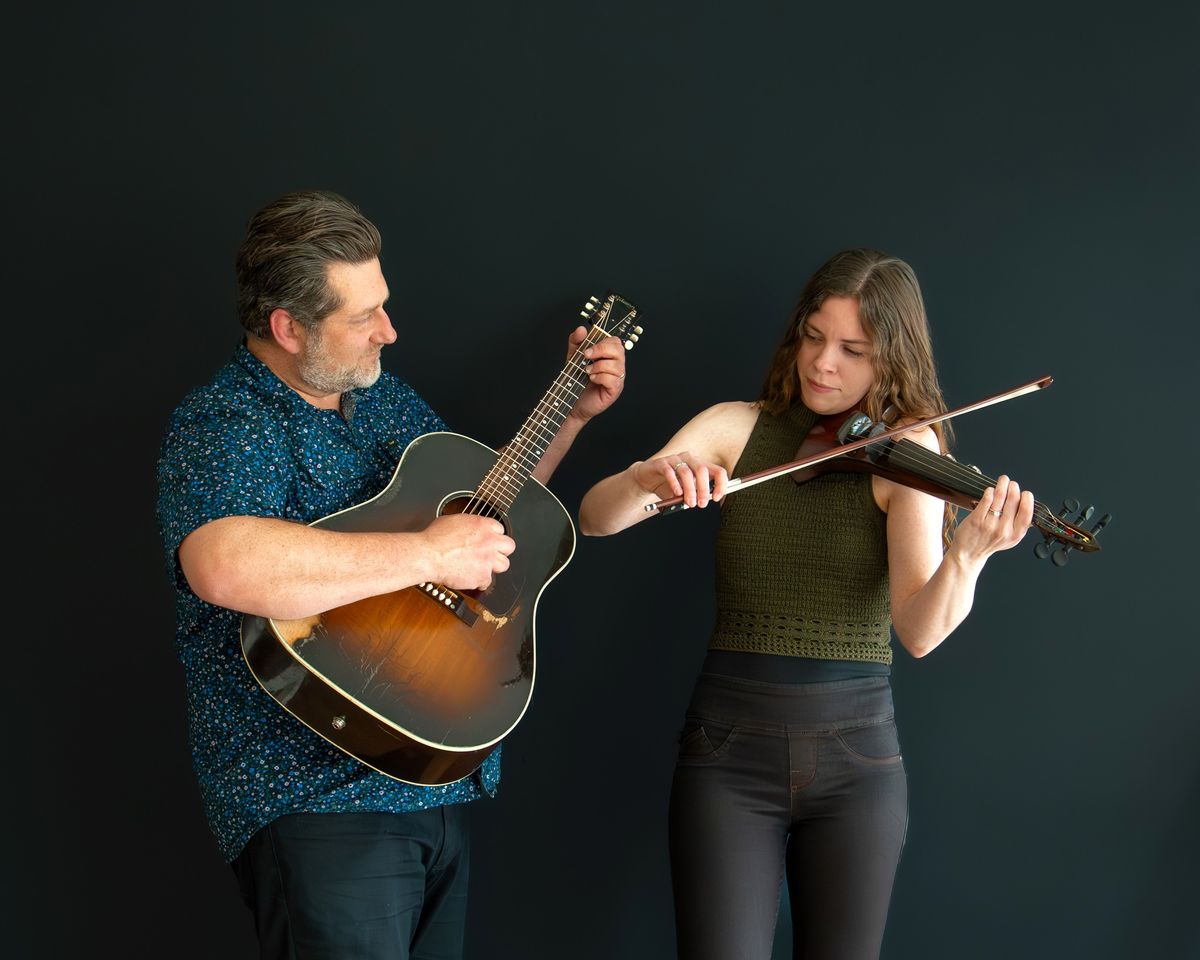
<point>853,443</point>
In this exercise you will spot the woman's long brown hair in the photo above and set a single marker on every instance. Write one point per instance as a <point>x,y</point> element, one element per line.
<point>892,313</point>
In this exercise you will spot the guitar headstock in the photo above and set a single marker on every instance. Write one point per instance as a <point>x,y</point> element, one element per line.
<point>613,316</point>
<point>1069,534</point>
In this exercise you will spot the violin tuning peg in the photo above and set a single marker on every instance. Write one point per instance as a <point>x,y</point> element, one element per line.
<point>1085,513</point>
<point>1103,522</point>
<point>1059,556</point>
<point>1042,550</point>
<point>1070,505</point>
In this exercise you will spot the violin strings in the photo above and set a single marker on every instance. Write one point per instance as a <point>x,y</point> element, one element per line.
<point>907,452</point>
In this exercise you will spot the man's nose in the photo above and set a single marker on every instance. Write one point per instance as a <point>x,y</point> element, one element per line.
<point>386,332</point>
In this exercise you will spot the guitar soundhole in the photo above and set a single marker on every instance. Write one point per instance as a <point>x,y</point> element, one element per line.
<point>483,508</point>
<point>469,503</point>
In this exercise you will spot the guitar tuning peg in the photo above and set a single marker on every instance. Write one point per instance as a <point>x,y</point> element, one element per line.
<point>585,315</point>
<point>1070,505</point>
<point>637,329</point>
<point>1103,522</point>
<point>593,300</point>
<point>1059,556</point>
<point>628,344</point>
<point>589,305</point>
<point>633,337</point>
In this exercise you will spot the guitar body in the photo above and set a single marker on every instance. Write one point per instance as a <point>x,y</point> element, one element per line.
<point>421,684</point>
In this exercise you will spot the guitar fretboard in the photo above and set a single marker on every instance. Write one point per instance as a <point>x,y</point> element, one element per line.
<point>523,453</point>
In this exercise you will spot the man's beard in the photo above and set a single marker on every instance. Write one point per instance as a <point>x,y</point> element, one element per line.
<point>325,375</point>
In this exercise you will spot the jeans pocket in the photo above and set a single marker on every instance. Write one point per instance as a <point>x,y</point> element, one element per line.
<point>704,740</point>
<point>876,743</point>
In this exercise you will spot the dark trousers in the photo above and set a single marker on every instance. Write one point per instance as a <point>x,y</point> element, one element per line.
<point>358,886</point>
<point>805,779</point>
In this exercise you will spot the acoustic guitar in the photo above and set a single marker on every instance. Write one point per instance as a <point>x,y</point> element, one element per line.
<point>421,684</point>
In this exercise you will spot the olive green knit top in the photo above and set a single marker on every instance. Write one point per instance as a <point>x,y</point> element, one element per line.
<point>801,569</point>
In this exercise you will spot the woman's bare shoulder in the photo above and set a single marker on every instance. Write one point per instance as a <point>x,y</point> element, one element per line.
<point>732,412</point>
<point>922,435</point>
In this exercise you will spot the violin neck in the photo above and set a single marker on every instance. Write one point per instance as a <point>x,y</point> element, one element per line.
<point>915,465</point>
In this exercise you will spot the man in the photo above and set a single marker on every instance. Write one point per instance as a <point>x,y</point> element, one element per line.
<point>333,858</point>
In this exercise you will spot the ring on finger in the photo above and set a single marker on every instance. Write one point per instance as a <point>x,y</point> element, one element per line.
<point>681,463</point>
<point>995,513</point>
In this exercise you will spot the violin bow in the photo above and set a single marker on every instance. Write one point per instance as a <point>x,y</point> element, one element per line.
<point>741,483</point>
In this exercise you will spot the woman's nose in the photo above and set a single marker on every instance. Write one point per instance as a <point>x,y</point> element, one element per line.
<point>826,358</point>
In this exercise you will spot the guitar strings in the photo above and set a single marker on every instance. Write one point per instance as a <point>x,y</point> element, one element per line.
<point>496,479</point>
<point>492,487</point>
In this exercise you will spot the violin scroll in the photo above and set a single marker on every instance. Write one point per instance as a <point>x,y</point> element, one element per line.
<point>1068,534</point>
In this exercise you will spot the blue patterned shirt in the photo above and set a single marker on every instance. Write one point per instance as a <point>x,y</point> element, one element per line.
<point>247,445</point>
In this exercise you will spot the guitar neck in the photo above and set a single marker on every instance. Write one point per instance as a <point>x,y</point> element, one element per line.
<point>523,453</point>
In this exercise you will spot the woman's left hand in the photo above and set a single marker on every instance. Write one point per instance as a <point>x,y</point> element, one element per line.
<point>998,522</point>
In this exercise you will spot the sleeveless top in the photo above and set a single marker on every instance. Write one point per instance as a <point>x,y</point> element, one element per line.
<point>801,569</point>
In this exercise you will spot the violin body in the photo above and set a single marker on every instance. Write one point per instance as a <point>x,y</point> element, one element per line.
<point>876,459</point>
<point>912,464</point>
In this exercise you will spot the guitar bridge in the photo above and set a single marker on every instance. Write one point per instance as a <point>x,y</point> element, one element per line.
<point>449,599</point>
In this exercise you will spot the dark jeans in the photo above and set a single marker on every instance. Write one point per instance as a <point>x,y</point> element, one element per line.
<point>806,778</point>
<point>358,886</point>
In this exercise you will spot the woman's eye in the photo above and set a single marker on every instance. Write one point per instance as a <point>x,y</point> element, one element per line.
<point>854,353</point>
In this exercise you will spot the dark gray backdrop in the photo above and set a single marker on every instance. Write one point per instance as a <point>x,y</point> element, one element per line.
<point>1036,166</point>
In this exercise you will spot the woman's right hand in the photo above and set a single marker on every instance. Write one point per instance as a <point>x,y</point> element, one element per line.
<point>681,474</point>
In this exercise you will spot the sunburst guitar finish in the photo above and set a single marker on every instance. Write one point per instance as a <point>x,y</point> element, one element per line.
<point>421,684</point>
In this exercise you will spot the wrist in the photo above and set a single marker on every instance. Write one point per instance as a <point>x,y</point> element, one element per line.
<point>965,566</point>
<point>426,568</point>
<point>632,472</point>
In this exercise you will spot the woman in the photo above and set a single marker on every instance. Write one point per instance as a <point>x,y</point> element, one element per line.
<point>789,759</point>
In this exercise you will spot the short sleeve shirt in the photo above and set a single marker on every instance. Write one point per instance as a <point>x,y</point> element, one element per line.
<point>245,444</point>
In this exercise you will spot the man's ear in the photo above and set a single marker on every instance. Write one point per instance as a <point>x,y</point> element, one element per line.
<point>288,332</point>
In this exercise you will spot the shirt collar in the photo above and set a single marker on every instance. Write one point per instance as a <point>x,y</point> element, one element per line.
<point>265,380</point>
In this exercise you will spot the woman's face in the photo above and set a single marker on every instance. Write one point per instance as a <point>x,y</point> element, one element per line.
<point>834,362</point>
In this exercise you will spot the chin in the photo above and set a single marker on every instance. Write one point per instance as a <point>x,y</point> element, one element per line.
<point>367,378</point>
<point>823,403</point>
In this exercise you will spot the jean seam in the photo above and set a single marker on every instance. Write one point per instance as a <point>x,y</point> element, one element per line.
<point>716,753</point>
<point>287,909</point>
<point>863,758</point>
